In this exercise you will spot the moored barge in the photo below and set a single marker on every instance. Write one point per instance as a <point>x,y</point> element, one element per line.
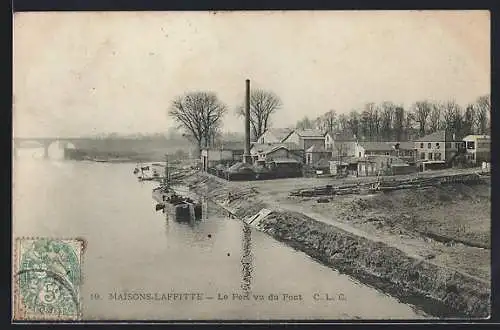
<point>177,207</point>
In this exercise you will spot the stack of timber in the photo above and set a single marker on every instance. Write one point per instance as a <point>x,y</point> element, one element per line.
<point>387,184</point>
<point>329,190</point>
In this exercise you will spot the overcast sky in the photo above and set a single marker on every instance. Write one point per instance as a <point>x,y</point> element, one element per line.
<point>87,73</point>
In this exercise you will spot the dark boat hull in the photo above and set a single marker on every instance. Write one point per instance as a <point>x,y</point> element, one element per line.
<point>177,209</point>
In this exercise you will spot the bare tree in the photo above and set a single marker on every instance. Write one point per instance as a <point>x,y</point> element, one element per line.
<point>318,123</point>
<point>354,123</point>
<point>422,110</point>
<point>329,121</point>
<point>453,119</point>
<point>370,122</point>
<point>263,104</point>
<point>387,116</point>
<point>365,125</point>
<point>469,120</point>
<point>199,114</point>
<point>408,126</point>
<point>376,119</point>
<point>435,117</point>
<point>398,123</point>
<point>342,122</point>
<point>483,110</point>
<point>305,123</point>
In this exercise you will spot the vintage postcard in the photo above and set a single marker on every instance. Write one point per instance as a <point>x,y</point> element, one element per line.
<point>266,165</point>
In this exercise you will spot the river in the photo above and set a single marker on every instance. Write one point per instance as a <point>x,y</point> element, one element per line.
<point>131,248</point>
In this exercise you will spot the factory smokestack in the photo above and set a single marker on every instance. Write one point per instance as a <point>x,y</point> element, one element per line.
<point>246,155</point>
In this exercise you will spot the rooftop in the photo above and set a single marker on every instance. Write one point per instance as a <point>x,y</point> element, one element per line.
<point>387,146</point>
<point>342,136</point>
<point>410,145</point>
<point>279,133</point>
<point>378,146</point>
<point>309,133</point>
<point>438,136</point>
<point>475,137</point>
<point>269,147</point>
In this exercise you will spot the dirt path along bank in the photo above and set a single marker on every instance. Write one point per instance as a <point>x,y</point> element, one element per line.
<point>392,256</point>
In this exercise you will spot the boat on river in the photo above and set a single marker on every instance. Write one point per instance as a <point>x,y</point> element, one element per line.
<point>147,172</point>
<point>177,207</point>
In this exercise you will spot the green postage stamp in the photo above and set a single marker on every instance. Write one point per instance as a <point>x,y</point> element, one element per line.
<point>47,278</point>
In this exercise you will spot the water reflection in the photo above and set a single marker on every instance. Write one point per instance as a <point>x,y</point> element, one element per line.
<point>204,209</point>
<point>246,259</point>
<point>117,217</point>
<point>197,232</point>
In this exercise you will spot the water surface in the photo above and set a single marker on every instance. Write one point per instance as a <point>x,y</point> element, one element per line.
<point>133,249</point>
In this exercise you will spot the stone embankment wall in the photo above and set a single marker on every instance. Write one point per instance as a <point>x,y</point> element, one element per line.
<point>437,290</point>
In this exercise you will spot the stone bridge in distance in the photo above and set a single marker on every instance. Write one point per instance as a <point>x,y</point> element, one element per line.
<point>96,145</point>
<point>46,142</point>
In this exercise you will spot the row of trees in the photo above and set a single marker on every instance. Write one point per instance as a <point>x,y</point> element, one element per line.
<point>199,114</point>
<point>391,122</point>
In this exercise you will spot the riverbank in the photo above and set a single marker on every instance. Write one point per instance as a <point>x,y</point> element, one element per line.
<point>392,255</point>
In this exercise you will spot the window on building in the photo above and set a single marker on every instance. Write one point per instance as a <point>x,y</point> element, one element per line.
<point>437,156</point>
<point>437,145</point>
<point>359,154</point>
<point>430,155</point>
<point>387,154</point>
<point>429,145</point>
<point>422,155</point>
<point>473,156</point>
<point>470,145</point>
<point>422,145</point>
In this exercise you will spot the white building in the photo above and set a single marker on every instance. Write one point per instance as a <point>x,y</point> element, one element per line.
<point>306,138</point>
<point>478,148</point>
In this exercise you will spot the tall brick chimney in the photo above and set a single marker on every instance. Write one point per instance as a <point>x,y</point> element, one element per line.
<point>246,155</point>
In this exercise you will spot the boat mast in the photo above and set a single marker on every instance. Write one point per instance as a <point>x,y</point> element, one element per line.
<point>167,174</point>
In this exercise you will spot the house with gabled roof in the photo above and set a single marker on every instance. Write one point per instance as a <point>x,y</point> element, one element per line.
<point>478,148</point>
<point>405,150</point>
<point>341,144</point>
<point>438,146</point>
<point>306,138</point>
<point>274,135</point>
<point>265,152</point>
<point>225,152</point>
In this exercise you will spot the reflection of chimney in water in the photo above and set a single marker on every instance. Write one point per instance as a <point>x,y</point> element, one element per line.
<point>246,154</point>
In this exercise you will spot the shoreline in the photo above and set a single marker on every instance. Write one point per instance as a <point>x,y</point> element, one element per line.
<point>435,289</point>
